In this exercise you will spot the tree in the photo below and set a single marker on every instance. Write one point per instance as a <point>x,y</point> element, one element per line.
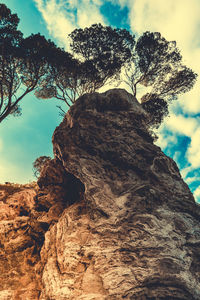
<point>23,63</point>
<point>157,109</point>
<point>99,52</point>
<point>10,39</point>
<point>61,78</point>
<point>105,47</point>
<point>39,163</point>
<point>98,55</point>
<point>156,64</point>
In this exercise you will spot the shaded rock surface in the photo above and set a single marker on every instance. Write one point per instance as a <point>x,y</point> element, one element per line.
<point>111,218</point>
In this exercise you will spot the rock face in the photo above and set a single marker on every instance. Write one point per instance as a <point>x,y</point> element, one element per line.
<point>112,218</point>
<point>18,243</point>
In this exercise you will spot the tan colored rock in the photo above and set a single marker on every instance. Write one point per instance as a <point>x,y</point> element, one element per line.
<point>112,218</point>
<point>17,257</point>
<point>129,237</point>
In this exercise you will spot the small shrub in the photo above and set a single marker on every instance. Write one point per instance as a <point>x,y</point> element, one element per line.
<point>39,163</point>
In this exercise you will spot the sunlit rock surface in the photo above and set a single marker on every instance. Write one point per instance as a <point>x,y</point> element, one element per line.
<point>18,243</point>
<point>111,218</point>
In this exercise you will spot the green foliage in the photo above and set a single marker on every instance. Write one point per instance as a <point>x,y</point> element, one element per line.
<point>99,53</point>
<point>106,48</point>
<point>23,63</point>
<point>39,163</point>
<point>156,65</point>
<point>10,39</point>
<point>157,109</point>
<point>62,77</point>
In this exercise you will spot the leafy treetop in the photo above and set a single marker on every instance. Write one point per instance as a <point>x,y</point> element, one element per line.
<point>39,163</point>
<point>23,63</point>
<point>156,64</point>
<point>99,53</point>
<point>107,48</point>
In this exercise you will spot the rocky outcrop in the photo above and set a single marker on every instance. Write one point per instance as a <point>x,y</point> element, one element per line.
<point>18,243</point>
<point>112,216</point>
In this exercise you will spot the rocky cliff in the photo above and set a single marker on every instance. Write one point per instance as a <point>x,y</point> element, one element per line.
<point>111,217</point>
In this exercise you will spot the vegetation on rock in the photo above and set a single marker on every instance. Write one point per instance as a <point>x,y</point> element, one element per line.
<point>39,163</point>
<point>156,65</point>
<point>99,54</point>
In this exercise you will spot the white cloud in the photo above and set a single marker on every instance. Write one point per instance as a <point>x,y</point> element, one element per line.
<point>59,22</point>
<point>197,194</point>
<point>164,140</point>
<point>88,13</point>
<point>190,102</point>
<point>177,155</point>
<point>193,153</point>
<point>189,127</point>
<point>190,180</point>
<point>181,125</point>
<point>184,172</point>
<point>176,20</point>
<point>63,16</point>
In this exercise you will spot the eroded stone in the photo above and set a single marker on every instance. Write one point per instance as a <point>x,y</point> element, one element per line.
<point>112,218</point>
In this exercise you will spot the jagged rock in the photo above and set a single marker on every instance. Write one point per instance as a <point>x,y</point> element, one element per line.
<point>112,218</point>
<point>131,235</point>
<point>17,244</point>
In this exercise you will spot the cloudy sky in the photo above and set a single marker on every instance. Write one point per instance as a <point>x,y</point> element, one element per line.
<point>24,139</point>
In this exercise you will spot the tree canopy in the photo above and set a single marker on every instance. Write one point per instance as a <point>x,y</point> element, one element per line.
<point>39,163</point>
<point>106,48</point>
<point>97,56</point>
<point>98,53</point>
<point>156,64</point>
<point>23,63</point>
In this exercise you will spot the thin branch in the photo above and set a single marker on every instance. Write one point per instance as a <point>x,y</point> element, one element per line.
<point>63,113</point>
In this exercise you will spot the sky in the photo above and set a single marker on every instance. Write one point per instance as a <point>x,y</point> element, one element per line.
<point>23,139</point>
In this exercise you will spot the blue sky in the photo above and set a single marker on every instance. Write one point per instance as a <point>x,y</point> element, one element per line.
<point>25,138</point>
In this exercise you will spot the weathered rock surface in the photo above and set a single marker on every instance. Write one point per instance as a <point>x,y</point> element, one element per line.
<point>18,243</point>
<point>112,219</point>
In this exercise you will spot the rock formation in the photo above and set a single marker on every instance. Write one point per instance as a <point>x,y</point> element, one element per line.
<point>18,245</point>
<point>111,218</point>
